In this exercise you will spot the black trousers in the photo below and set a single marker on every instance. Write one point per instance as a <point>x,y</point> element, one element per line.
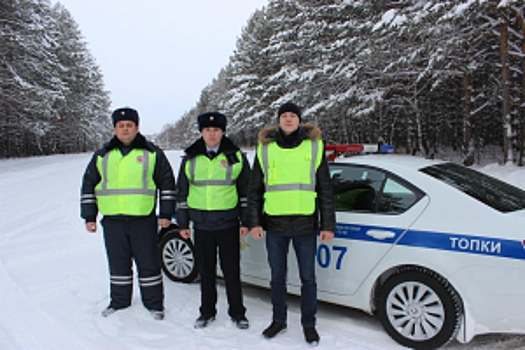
<point>227,242</point>
<point>127,239</point>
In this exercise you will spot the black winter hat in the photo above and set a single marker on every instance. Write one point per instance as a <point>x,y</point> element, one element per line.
<point>212,119</point>
<point>125,113</point>
<point>289,107</point>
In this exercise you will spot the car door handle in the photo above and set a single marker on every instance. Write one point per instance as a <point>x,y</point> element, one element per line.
<point>380,234</point>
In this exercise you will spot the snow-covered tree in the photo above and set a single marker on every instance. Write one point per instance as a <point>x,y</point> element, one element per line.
<point>52,96</point>
<point>426,76</point>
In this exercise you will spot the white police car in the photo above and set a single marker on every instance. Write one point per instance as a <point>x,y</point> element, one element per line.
<point>434,249</point>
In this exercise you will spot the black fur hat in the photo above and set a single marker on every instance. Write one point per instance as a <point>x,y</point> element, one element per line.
<point>125,113</point>
<point>212,119</point>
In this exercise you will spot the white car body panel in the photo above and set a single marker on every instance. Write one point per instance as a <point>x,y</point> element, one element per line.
<point>479,250</point>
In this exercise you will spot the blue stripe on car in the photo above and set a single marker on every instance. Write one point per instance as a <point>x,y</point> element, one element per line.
<point>504,248</point>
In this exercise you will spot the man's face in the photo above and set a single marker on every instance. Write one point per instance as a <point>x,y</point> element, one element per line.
<point>212,136</point>
<point>126,130</point>
<point>289,122</point>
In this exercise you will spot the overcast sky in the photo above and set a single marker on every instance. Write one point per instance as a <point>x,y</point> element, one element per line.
<point>158,55</point>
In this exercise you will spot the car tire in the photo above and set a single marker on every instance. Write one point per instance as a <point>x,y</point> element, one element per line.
<point>419,309</point>
<point>177,257</point>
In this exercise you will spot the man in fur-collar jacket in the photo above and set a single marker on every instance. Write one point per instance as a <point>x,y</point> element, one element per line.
<point>121,182</point>
<point>289,190</point>
<point>212,185</point>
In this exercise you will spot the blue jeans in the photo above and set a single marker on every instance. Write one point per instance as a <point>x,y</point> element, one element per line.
<point>305,247</point>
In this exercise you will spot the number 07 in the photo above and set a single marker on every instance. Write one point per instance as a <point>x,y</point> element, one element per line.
<point>324,256</point>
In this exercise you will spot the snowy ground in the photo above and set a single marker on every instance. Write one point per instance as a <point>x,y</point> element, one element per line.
<point>54,281</point>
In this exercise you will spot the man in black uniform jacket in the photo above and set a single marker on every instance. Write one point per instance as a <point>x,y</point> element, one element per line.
<point>121,181</point>
<point>212,184</point>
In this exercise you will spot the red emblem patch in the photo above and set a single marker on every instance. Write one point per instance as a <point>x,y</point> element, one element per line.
<point>140,159</point>
<point>224,163</point>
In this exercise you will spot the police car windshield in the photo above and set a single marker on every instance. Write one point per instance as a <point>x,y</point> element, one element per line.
<point>493,192</point>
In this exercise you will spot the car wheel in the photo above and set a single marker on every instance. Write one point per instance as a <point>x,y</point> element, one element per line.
<point>419,309</point>
<point>177,256</point>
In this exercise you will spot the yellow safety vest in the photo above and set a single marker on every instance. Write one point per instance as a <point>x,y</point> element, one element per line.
<point>289,177</point>
<point>126,186</point>
<point>212,182</point>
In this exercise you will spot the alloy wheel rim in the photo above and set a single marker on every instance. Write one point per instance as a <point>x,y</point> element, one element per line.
<point>178,258</point>
<point>415,311</point>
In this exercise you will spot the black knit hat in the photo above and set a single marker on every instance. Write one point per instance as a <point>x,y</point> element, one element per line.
<point>289,107</point>
<point>125,113</point>
<point>213,120</point>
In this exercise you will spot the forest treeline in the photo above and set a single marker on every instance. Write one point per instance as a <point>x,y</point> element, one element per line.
<point>52,95</point>
<point>426,76</point>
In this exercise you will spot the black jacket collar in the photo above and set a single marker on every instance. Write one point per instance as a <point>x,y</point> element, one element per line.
<point>139,142</point>
<point>289,141</point>
<point>227,147</point>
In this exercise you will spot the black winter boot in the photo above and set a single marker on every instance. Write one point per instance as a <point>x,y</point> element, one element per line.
<point>311,336</point>
<point>274,329</point>
<point>203,321</point>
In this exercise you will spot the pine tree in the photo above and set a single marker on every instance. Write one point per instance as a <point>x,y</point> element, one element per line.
<point>52,92</point>
<point>426,76</point>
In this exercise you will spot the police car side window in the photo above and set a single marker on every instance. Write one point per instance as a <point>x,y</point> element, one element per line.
<point>396,198</point>
<point>356,188</point>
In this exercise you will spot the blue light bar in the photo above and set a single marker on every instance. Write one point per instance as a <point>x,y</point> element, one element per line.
<point>386,149</point>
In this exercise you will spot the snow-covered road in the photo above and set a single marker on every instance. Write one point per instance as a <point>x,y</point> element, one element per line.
<point>54,281</point>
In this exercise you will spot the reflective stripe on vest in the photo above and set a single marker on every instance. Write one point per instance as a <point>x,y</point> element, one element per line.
<point>212,182</point>
<point>226,182</point>
<point>119,192</point>
<point>290,188</point>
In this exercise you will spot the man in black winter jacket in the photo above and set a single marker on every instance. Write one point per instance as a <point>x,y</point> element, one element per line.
<point>289,189</point>
<point>212,184</point>
<point>121,182</point>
